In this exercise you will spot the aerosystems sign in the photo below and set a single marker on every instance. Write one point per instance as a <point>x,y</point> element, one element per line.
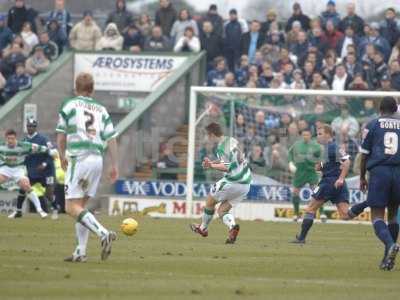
<point>258,192</point>
<point>129,73</point>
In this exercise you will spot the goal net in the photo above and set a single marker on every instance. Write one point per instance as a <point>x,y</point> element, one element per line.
<point>266,123</point>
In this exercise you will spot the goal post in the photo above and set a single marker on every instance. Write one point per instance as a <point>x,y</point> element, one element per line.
<point>282,111</point>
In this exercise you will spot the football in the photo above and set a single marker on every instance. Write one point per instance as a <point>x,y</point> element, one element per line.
<point>129,226</point>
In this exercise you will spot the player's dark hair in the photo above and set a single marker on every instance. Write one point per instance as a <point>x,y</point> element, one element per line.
<point>388,106</point>
<point>11,132</point>
<point>84,84</point>
<point>215,129</point>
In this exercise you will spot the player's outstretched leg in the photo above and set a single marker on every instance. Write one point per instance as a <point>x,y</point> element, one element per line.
<point>357,209</point>
<point>206,218</point>
<point>383,234</point>
<point>20,202</point>
<point>82,236</point>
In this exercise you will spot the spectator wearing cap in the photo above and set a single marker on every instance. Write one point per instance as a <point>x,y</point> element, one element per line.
<point>349,38</point>
<point>211,42</point>
<point>215,19</point>
<point>188,42</point>
<point>395,74</point>
<point>184,20</point>
<point>62,16</point>
<point>271,17</point>
<point>389,28</point>
<point>346,120</point>
<point>120,16</point>
<point>85,34</point>
<point>157,41</point>
<point>216,76</point>
<point>6,35</point>
<point>374,37</point>
<point>298,16</point>
<point>17,82</point>
<point>133,39</point>
<point>352,20</point>
<point>232,30</point>
<point>111,39</point>
<point>333,36</point>
<point>165,17</point>
<point>49,47</point>
<point>11,59</point>
<point>318,39</point>
<point>251,41</point>
<point>385,84</point>
<point>19,14</point>
<point>330,14</point>
<point>341,80</point>
<point>29,37</point>
<point>37,63</point>
<point>57,35</point>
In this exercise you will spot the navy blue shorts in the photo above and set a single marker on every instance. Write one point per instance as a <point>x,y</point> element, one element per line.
<point>326,191</point>
<point>383,186</point>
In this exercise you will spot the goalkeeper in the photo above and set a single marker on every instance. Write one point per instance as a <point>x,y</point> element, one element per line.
<point>302,158</point>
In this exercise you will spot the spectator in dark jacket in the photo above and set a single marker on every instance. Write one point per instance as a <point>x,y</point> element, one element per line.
<point>133,39</point>
<point>62,16</point>
<point>373,37</point>
<point>330,14</point>
<point>157,41</point>
<point>352,66</point>
<point>14,57</point>
<point>395,74</point>
<point>390,27</point>
<point>216,77</point>
<point>242,73</point>
<point>166,16</point>
<point>215,19</point>
<point>379,68</point>
<point>232,32</point>
<point>332,35</point>
<point>271,18</point>
<point>211,43</point>
<point>121,17</point>
<point>318,39</point>
<point>298,16</point>
<point>49,47</point>
<point>19,14</point>
<point>57,35</point>
<point>6,35</point>
<point>251,41</point>
<point>301,46</point>
<point>17,82</point>
<point>349,38</point>
<point>353,20</point>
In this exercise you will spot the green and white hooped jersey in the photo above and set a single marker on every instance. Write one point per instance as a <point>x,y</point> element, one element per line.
<point>15,156</point>
<point>228,152</point>
<point>87,126</point>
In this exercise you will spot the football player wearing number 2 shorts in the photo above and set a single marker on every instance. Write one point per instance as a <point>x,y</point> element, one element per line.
<point>84,130</point>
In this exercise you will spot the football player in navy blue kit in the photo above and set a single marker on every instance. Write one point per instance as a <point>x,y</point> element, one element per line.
<point>332,186</point>
<point>380,155</point>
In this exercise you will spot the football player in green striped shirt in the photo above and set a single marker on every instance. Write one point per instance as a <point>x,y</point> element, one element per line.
<point>231,189</point>
<point>84,130</point>
<point>12,159</point>
<point>302,158</point>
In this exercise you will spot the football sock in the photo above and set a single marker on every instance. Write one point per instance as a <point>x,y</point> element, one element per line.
<point>88,220</point>
<point>394,231</point>
<point>20,199</point>
<point>357,209</point>
<point>82,235</point>
<point>229,220</point>
<point>308,221</point>
<point>206,218</point>
<point>296,204</point>
<point>383,233</point>
<point>35,200</point>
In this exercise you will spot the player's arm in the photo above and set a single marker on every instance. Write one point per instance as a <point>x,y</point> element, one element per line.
<point>61,145</point>
<point>113,153</point>
<point>345,167</point>
<point>363,173</point>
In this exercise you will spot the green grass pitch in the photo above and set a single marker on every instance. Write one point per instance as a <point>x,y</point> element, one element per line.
<point>164,260</point>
